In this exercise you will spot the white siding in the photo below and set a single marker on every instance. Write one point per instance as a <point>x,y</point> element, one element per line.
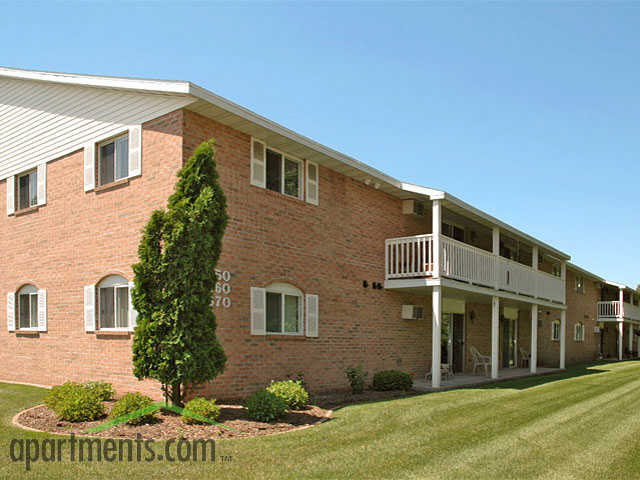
<point>40,122</point>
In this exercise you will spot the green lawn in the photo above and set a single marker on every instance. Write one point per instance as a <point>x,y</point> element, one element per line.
<point>582,424</point>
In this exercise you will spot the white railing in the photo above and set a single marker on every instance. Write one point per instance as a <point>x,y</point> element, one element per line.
<point>609,309</point>
<point>411,257</point>
<point>612,310</point>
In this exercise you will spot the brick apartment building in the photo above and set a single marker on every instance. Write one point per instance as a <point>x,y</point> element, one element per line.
<point>326,261</point>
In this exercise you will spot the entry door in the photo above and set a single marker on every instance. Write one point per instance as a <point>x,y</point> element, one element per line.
<point>458,342</point>
<point>508,343</point>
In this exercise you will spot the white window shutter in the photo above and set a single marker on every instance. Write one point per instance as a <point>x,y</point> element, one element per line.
<point>312,182</point>
<point>11,189</point>
<point>133,315</point>
<point>89,166</point>
<point>258,163</point>
<point>312,315</point>
<point>11,311</point>
<point>258,311</point>
<point>90,308</point>
<point>42,310</point>
<point>42,184</point>
<point>135,150</point>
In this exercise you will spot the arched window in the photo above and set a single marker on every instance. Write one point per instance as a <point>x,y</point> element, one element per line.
<point>113,303</point>
<point>555,330</point>
<point>28,308</point>
<point>284,309</point>
<point>578,332</point>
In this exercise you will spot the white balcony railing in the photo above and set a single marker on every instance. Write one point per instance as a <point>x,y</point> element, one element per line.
<point>412,257</point>
<point>612,310</point>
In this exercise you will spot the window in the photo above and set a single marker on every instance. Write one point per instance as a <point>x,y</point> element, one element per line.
<point>28,308</point>
<point>453,231</point>
<point>113,303</point>
<point>284,174</point>
<point>555,330</point>
<point>113,160</point>
<point>283,309</point>
<point>578,332</point>
<point>28,190</point>
<point>580,284</point>
<point>555,271</point>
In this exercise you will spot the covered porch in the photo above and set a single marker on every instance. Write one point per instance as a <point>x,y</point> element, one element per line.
<point>468,380</point>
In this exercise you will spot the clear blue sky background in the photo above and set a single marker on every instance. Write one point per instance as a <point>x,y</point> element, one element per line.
<point>527,111</point>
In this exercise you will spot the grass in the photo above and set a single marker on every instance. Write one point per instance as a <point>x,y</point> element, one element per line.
<point>580,424</point>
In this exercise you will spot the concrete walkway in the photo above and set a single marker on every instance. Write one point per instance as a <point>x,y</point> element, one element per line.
<point>466,380</point>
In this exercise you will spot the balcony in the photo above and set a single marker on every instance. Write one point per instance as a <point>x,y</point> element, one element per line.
<point>613,309</point>
<point>413,257</point>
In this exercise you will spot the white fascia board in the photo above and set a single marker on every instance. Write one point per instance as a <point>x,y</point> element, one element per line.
<point>619,285</point>
<point>143,85</point>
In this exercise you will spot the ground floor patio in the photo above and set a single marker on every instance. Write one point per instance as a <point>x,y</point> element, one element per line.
<point>463,380</point>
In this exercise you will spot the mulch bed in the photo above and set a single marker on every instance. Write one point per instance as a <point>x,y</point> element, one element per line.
<point>169,425</point>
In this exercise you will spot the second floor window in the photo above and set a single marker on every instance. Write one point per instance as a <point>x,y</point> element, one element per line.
<point>28,190</point>
<point>453,231</point>
<point>284,174</point>
<point>113,160</point>
<point>580,284</point>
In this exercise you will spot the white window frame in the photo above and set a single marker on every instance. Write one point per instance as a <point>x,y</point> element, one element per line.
<point>32,317</point>
<point>578,332</point>
<point>285,289</point>
<point>556,271</point>
<point>99,146</point>
<point>555,328</point>
<point>283,157</point>
<point>32,189</point>
<point>116,287</point>
<point>580,284</point>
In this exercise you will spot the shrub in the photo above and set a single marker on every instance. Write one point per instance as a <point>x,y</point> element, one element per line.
<point>104,390</point>
<point>291,391</point>
<point>130,403</point>
<point>203,408</point>
<point>265,406</point>
<point>356,376</point>
<point>392,380</point>
<point>75,403</point>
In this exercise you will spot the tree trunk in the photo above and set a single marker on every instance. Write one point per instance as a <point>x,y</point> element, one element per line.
<point>176,394</point>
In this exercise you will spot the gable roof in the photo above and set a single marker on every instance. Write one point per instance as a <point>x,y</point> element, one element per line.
<point>209,104</point>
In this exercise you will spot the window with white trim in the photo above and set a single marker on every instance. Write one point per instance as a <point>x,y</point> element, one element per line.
<point>578,332</point>
<point>27,190</point>
<point>113,160</point>
<point>284,309</point>
<point>284,173</point>
<point>113,303</point>
<point>555,330</point>
<point>28,308</point>
<point>580,284</point>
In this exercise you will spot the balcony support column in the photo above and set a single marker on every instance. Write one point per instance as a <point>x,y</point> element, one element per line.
<point>495,334</point>
<point>563,276</point>
<point>436,228</point>
<point>563,337</point>
<point>620,338</point>
<point>533,362</point>
<point>436,332</point>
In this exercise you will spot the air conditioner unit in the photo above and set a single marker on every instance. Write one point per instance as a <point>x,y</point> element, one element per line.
<point>413,207</point>
<point>596,329</point>
<point>412,312</point>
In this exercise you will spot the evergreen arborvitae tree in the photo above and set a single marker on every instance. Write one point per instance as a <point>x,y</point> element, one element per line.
<point>175,338</point>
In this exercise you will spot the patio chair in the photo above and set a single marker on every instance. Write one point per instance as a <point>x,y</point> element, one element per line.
<point>445,371</point>
<point>524,358</point>
<point>479,360</point>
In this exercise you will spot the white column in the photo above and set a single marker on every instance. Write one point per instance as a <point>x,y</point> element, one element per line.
<point>631,339</point>
<point>534,261</point>
<point>563,336</point>
<point>495,329</point>
<point>436,326</point>
<point>563,276</point>
<point>496,251</point>
<point>436,228</point>
<point>533,362</point>
<point>620,338</point>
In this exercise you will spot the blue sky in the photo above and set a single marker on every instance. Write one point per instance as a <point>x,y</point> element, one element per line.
<point>528,111</point>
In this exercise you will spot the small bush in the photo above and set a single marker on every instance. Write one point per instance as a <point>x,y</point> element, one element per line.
<point>392,380</point>
<point>75,403</point>
<point>291,391</point>
<point>104,390</point>
<point>130,403</point>
<point>356,376</point>
<point>202,407</point>
<point>265,406</point>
